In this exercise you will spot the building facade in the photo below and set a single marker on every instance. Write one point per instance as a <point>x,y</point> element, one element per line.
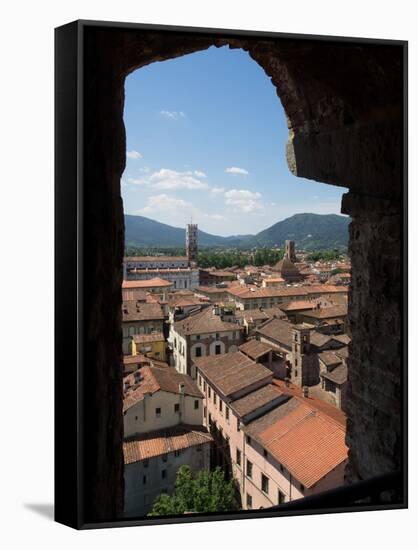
<point>278,447</point>
<point>202,334</point>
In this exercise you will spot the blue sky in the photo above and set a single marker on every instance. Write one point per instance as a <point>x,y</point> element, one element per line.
<point>206,136</point>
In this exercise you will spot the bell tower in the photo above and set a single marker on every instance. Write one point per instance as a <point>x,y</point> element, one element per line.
<point>191,242</point>
<point>290,251</point>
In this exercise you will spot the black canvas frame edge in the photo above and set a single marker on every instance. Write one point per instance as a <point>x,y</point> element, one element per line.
<point>69,268</point>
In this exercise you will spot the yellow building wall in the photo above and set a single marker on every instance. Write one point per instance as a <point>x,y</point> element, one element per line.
<point>158,349</point>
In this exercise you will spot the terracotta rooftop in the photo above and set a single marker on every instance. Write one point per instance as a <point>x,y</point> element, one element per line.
<point>298,305</point>
<point>329,358</point>
<point>256,400</point>
<point>152,379</point>
<point>148,283</point>
<point>277,330</point>
<point>141,311</point>
<point>205,321</point>
<point>162,442</point>
<point>231,372</point>
<point>151,259</point>
<point>327,312</point>
<point>330,410</point>
<point>251,315</point>
<point>255,349</point>
<point>135,294</point>
<point>337,375</point>
<point>307,442</point>
<point>246,292</point>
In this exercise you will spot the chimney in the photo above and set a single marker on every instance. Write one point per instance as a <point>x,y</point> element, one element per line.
<point>181,388</point>
<point>305,391</point>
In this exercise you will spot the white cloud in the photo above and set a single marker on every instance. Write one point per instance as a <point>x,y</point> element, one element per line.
<point>173,210</point>
<point>171,179</point>
<point>235,170</point>
<point>164,203</point>
<point>218,190</point>
<point>137,181</point>
<point>166,179</point>
<point>134,155</point>
<point>243,200</point>
<point>175,115</point>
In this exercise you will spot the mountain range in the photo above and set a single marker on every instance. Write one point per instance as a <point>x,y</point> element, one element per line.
<point>309,231</point>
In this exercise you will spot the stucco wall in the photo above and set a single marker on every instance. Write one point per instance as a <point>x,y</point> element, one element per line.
<point>139,496</point>
<point>142,418</point>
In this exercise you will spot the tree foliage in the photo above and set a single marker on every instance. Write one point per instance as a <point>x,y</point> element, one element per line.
<point>325,255</point>
<point>208,491</point>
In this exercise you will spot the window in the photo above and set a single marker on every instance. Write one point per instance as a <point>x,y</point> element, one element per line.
<point>281,497</point>
<point>248,439</point>
<point>163,474</point>
<point>217,335</point>
<point>209,392</point>
<point>197,336</point>
<point>204,386</point>
<point>238,425</point>
<point>196,403</point>
<point>217,349</point>
<point>164,458</point>
<point>198,352</point>
<point>264,483</point>
<point>249,469</point>
<point>238,457</point>
<point>176,407</point>
<point>158,412</point>
<point>214,398</point>
<point>249,501</point>
<point>210,420</point>
<point>177,452</point>
<point>220,405</point>
<point>296,361</point>
<point>296,372</point>
<point>146,463</point>
<point>227,413</point>
<point>204,412</point>
<point>144,480</point>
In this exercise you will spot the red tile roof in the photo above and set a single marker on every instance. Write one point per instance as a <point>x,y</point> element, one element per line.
<point>148,283</point>
<point>153,379</point>
<point>255,349</point>
<point>165,441</point>
<point>231,372</point>
<point>306,441</point>
<point>204,322</point>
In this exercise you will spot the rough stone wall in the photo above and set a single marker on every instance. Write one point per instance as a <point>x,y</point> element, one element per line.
<point>343,104</point>
<point>373,398</point>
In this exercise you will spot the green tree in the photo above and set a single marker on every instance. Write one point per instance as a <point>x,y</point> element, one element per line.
<point>208,491</point>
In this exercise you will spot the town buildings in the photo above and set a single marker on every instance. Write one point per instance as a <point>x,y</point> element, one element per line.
<point>277,446</point>
<point>247,371</point>
<point>139,317</point>
<point>162,430</point>
<point>180,271</point>
<point>202,334</point>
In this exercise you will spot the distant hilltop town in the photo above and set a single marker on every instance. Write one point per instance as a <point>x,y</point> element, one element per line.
<point>242,368</point>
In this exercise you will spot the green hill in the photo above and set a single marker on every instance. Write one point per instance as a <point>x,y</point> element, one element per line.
<point>309,231</point>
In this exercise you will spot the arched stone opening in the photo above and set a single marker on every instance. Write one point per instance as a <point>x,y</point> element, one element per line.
<point>344,109</point>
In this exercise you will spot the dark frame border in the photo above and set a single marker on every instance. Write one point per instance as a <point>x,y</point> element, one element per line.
<point>69,283</point>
